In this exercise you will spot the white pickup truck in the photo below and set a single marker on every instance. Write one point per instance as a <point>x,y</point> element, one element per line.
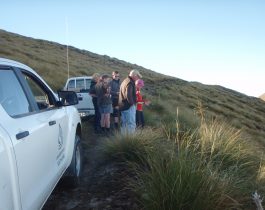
<point>39,138</point>
<point>81,86</point>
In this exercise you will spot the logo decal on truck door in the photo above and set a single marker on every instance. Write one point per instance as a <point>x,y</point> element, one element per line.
<point>60,156</point>
<point>60,138</point>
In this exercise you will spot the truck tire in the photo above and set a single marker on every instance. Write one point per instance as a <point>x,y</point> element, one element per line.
<point>75,168</point>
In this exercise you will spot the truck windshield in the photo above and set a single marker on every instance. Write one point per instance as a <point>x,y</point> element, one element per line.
<point>88,82</point>
<point>80,84</point>
<point>71,84</point>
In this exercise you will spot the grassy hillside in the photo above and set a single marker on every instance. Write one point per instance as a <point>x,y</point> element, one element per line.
<point>49,59</point>
<point>166,93</point>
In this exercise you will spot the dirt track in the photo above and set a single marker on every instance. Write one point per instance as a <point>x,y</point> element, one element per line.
<point>103,185</point>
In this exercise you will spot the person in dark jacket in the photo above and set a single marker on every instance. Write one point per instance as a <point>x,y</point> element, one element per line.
<point>114,91</point>
<point>104,102</point>
<point>127,101</point>
<point>92,92</point>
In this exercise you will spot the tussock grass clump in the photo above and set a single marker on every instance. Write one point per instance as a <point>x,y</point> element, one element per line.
<point>134,148</point>
<point>189,163</point>
<point>209,168</point>
<point>180,183</point>
<point>225,149</point>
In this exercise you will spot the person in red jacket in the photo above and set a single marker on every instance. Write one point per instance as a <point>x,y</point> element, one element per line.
<point>139,103</point>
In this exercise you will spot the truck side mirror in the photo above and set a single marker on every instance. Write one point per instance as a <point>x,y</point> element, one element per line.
<point>67,98</point>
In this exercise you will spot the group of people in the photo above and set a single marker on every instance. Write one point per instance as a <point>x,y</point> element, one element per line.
<point>123,100</point>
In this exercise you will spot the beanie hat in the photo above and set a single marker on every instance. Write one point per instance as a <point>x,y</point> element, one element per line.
<point>139,83</point>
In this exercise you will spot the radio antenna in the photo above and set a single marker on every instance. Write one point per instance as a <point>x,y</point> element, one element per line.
<point>67,43</point>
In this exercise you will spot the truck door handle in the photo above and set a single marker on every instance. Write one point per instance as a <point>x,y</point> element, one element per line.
<point>51,123</point>
<point>22,135</point>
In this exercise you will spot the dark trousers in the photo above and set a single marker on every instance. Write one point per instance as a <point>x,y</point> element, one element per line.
<point>97,114</point>
<point>115,103</point>
<point>139,119</point>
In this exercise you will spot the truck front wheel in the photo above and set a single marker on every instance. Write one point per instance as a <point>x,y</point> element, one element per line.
<point>75,168</point>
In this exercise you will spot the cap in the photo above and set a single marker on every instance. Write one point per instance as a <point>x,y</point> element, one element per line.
<point>135,72</point>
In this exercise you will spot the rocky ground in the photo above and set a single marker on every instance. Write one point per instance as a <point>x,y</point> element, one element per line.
<point>103,184</point>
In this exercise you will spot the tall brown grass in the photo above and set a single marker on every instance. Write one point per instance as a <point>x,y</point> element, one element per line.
<point>212,167</point>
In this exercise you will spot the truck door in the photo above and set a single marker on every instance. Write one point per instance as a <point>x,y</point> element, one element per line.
<point>36,128</point>
<point>90,103</point>
<point>85,105</point>
<point>9,192</point>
